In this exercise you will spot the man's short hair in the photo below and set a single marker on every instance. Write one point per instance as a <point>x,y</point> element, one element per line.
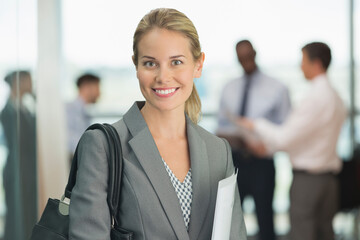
<point>87,78</point>
<point>245,41</point>
<point>319,50</point>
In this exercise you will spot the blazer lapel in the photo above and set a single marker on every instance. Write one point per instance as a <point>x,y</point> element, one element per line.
<point>200,180</point>
<point>148,155</point>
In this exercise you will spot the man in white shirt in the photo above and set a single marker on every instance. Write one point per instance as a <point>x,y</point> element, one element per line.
<point>77,116</point>
<point>309,135</point>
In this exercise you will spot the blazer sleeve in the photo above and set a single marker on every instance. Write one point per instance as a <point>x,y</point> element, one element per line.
<point>238,229</point>
<point>89,211</point>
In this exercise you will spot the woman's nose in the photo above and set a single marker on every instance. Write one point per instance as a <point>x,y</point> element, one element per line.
<point>164,74</point>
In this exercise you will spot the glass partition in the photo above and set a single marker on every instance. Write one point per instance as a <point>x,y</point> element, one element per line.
<point>18,193</point>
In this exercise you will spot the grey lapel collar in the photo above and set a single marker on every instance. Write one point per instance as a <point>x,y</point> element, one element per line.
<point>200,180</point>
<point>148,155</point>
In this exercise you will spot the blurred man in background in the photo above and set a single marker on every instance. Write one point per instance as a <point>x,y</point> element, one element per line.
<point>78,118</point>
<point>19,174</point>
<point>309,135</point>
<point>254,95</point>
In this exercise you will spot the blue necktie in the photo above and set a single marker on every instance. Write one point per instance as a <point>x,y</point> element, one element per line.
<point>246,88</point>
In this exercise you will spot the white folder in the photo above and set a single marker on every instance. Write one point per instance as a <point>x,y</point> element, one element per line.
<point>224,208</point>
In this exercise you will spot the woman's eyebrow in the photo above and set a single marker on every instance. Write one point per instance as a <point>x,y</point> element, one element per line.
<point>177,56</point>
<point>172,57</point>
<point>148,57</point>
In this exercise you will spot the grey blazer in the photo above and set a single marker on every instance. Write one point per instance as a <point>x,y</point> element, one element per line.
<point>149,205</point>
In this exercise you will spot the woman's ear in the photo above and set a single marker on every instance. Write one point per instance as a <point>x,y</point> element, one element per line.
<point>199,66</point>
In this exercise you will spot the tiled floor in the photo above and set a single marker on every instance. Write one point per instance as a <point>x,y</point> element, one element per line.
<point>346,225</point>
<point>338,237</point>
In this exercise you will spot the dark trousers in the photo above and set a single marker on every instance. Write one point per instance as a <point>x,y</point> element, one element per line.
<point>313,204</point>
<point>256,178</point>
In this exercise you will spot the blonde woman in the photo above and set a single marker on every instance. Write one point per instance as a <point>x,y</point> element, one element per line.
<point>171,165</point>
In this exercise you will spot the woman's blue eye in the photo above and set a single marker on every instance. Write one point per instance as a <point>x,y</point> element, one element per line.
<point>176,62</point>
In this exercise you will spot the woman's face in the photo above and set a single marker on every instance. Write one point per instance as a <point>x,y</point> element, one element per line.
<point>166,69</point>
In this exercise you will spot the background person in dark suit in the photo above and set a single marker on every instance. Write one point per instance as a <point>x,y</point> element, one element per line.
<point>253,95</point>
<point>19,174</point>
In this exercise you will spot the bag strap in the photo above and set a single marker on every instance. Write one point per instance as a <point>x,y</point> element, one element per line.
<point>115,168</point>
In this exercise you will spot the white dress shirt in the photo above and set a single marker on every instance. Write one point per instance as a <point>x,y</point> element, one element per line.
<point>310,133</point>
<point>77,121</point>
<point>267,98</point>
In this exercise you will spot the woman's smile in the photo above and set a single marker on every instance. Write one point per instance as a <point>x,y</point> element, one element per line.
<point>165,92</point>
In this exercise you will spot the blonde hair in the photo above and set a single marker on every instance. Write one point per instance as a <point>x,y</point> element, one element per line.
<point>173,20</point>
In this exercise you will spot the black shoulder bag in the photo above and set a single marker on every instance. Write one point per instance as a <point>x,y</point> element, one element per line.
<point>54,222</point>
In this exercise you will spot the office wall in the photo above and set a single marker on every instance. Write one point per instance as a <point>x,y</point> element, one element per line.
<point>58,40</point>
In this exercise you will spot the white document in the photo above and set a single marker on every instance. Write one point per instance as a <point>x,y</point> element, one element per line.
<point>224,208</point>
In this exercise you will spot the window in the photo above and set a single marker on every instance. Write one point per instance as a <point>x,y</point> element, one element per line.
<point>99,38</point>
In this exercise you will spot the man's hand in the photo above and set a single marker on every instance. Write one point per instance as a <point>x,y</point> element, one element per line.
<point>256,147</point>
<point>245,123</point>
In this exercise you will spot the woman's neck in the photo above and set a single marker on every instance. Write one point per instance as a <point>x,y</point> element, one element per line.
<point>165,124</point>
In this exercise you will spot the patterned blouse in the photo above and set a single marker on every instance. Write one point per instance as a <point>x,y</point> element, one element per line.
<point>183,191</point>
